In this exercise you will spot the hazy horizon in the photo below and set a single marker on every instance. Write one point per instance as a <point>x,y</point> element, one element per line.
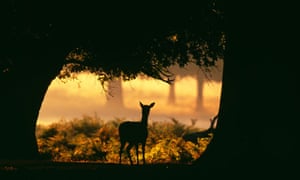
<point>85,96</point>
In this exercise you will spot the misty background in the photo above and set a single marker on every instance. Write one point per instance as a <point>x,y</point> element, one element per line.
<point>194,96</point>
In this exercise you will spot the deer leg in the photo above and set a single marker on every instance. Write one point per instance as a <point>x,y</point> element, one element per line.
<point>120,152</point>
<point>137,153</point>
<point>128,152</point>
<point>143,152</point>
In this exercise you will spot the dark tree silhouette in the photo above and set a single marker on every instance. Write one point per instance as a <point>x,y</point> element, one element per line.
<point>43,40</point>
<point>256,133</point>
<point>256,130</point>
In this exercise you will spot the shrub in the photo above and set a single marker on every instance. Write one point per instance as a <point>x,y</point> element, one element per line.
<point>92,139</point>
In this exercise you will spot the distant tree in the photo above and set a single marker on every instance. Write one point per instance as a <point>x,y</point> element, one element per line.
<point>202,75</point>
<point>41,40</point>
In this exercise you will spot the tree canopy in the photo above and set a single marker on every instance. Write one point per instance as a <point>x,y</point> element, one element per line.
<point>41,40</point>
<point>111,39</point>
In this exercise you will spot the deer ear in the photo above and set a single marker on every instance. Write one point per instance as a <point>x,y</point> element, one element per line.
<point>152,104</point>
<point>141,104</point>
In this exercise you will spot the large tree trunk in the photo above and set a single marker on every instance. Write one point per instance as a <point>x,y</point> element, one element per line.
<point>256,131</point>
<point>20,103</point>
<point>22,92</point>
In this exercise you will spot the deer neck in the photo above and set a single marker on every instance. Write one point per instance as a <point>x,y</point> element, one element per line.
<point>144,120</point>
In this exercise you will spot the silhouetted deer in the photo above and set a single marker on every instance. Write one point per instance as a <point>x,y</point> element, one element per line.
<point>135,133</point>
<point>193,137</point>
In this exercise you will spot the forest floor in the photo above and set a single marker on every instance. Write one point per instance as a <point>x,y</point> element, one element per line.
<point>49,170</point>
<point>71,170</point>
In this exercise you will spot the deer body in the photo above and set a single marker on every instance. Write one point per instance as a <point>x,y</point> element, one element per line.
<point>193,137</point>
<point>135,133</point>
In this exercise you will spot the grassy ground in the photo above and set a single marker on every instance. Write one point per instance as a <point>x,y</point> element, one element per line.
<point>72,147</point>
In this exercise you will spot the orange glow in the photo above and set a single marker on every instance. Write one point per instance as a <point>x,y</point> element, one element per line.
<point>85,95</point>
<point>212,95</point>
<point>173,38</point>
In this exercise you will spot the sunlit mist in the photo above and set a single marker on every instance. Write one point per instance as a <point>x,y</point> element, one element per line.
<point>85,96</point>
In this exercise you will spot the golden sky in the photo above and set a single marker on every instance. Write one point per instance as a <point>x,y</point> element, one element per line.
<point>85,96</point>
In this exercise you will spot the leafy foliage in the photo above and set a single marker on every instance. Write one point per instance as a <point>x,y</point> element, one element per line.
<point>92,139</point>
<point>105,45</point>
<point>41,40</point>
